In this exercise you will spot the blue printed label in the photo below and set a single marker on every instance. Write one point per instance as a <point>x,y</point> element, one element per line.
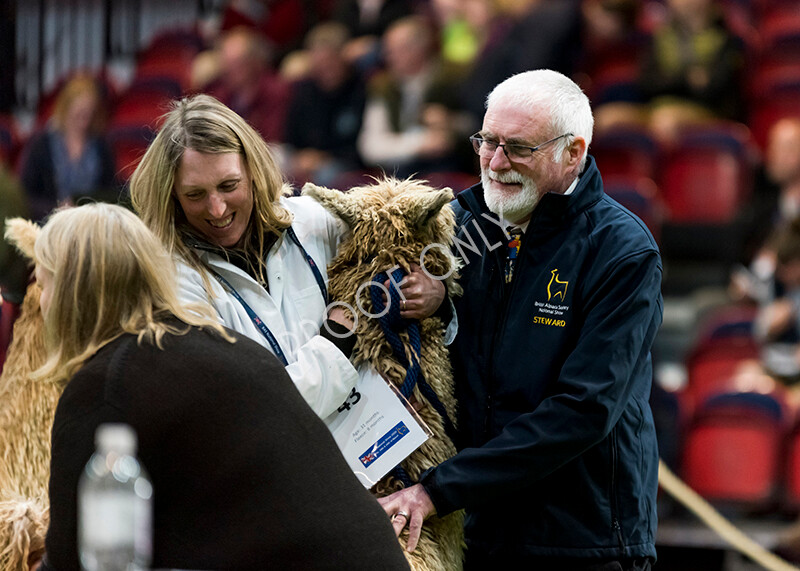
<point>383,444</point>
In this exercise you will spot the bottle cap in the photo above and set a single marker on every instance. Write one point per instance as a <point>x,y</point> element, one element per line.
<point>120,438</point>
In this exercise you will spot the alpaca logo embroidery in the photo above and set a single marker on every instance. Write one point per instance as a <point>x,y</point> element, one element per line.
<point>556,287</point>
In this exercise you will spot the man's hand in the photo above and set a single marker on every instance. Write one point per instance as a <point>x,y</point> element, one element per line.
<point>421,295</point>
<point>411,507</point>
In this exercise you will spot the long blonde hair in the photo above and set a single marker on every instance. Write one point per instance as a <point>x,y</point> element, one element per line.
<point>110,275</point>
<point>205,125</point>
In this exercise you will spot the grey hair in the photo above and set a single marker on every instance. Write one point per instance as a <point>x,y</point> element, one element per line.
<point>567,105</point>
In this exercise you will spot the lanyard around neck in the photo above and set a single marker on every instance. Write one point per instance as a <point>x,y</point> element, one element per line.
<point>257,321</point>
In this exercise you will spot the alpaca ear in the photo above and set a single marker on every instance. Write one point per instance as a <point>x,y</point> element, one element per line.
<point>335,201</point>
<point>428,206</point>
<point>22,234</point>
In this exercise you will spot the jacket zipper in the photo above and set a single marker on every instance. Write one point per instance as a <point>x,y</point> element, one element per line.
<point>507,291</point>
<point>614,507</point>
<point>489,411</point>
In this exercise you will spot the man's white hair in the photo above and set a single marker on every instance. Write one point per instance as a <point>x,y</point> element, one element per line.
<point>565,103</point>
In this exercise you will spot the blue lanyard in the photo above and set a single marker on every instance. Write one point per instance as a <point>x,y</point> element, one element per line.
<point>262,327</point>
<point>311,264</point>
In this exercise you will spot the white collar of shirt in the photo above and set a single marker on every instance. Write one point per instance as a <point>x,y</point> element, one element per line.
<point>572,187</point>
<point>524,226</point>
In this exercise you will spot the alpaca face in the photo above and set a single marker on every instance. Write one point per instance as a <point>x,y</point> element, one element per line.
<point>394,222</point>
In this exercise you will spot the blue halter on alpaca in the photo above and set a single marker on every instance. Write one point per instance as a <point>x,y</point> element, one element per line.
<point>392,324</point>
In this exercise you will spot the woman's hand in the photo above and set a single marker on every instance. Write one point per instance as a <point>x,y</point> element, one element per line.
<point>341,316</point>
<point>420,294</point>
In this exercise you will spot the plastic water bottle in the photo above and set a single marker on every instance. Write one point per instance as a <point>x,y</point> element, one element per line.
<point>115,505</point>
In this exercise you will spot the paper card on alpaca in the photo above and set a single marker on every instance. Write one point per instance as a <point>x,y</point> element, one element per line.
<point>375,428</point>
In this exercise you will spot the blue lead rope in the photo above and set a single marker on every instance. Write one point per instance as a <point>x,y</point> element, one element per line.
<point>391,324</point>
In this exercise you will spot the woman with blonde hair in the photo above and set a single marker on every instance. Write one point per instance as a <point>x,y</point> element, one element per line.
<point>211,190</point>
<point>233,487</point>
<point>70,158</point>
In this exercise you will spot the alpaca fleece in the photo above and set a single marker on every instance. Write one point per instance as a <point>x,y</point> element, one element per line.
<point>391,223</point>
<point>26,416</point>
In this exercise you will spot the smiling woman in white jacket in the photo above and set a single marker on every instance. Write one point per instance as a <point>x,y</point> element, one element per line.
<point>293,308</point>
<point>210,188</point>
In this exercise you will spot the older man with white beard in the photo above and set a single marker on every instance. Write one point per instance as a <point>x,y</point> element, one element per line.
<point>557,466</point>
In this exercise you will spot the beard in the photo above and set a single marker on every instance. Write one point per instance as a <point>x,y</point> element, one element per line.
<point>513,206</point>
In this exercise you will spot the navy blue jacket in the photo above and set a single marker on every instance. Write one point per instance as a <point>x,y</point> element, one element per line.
<point>553,373</point>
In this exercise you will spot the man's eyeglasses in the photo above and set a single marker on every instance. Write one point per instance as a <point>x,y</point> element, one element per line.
<point>512,152</point>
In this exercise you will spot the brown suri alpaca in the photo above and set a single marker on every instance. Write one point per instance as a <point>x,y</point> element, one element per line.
<point>391,223</point>
<point>26,416</point>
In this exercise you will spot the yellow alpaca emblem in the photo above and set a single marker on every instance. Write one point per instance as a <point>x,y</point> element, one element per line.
<point>556,287</point>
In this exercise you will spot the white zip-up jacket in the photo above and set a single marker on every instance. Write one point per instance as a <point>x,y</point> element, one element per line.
<point>293,309</point>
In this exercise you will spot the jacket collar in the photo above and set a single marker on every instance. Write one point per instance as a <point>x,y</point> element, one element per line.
<point>236,256</point>
<point>553,209</point>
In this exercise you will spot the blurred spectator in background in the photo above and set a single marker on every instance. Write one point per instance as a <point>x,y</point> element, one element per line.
<point>411,122</point>
<point>70,159</point>
<point>516,36</point>
<point>692,69</point>
<point>608,26</point>
<point>462,25</point>
<point>778,321</point>
<point>782,168</point>
<point>546,35</point>
<point>371,17</point>
<point>610,61</point>
<point>327,107</point>
<point>775,203</point>
<point>367,21</point>
<point>474,36</point>
<point>281,22</point>
<point>205,70</point>
<point>248,84</point>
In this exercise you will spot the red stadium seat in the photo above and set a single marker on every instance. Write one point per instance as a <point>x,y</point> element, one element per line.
<point>10,142</point>
<point>780,28</point>
<point>144,102</point>
<point>176,67</point>
<point>771,110</point>
<point>129,144</point>
<point>626,151</point>
<point>170,55</point>
<point>773,76</point>
<point>615,80</point>
<point>174,40</point>
<point>8,315</point>
<point>712,365</point>
<point>457,181</point>
<point>792,470</point>
<point>732,450</point>
<point>729,323</point>
<point>708,176</point>
<point>640,196</point>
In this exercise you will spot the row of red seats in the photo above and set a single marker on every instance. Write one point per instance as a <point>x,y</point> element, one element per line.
<point>706,177</point>
<point>162,74</point>
<point>739,432</point>
<point>770,31</point>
